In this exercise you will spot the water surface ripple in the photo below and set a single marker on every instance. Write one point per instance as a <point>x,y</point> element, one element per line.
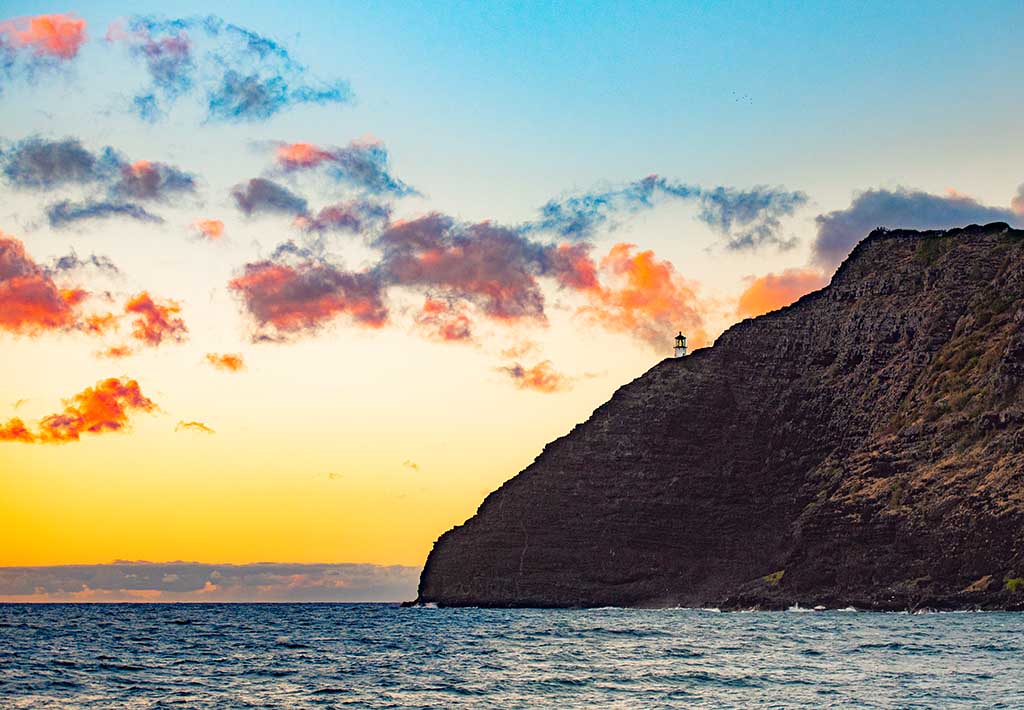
<point>380,656</point>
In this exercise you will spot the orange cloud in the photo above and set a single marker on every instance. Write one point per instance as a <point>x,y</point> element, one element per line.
<point>99,323</point>
<point>444,321</point>
<point>229,362</point>
<point>198,427</point>
<point>30,301</point>
<point>115,352</point>
<point>1017,203</point>
<point>59,36</point>
<point>301,155</point>
<point>518,350</point>
<point>773,291</point>
<point>15,430</point>
<point>644,297</point>
<point>212,229</point>
<point>94,410</point>
<point>573,266</point>
<point>156,321</point>
<point>542,377</point>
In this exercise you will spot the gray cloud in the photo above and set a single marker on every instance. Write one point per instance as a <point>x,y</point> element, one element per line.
<point>840,230</point>
<point>746,219</point>
<point>114,184</point>
<point>750,218</point>
<point>242,75</point>
<point>194,581</point>
<point>146,180</point>
<point>65,212</point>
<point>353,216</point>
<point>260,195</point>
<point>362,164</point>
<point>73,262</point>
<point>40,163</point>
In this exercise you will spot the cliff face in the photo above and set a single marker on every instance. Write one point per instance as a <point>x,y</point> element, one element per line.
<point>864,446</point>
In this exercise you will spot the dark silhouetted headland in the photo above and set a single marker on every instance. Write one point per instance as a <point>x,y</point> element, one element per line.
<point>863,446</point>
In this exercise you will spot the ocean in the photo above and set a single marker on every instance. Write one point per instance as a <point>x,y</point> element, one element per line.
<point>382,656</point>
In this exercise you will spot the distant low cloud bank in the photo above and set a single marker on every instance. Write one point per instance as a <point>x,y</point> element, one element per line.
<point>199,582</point>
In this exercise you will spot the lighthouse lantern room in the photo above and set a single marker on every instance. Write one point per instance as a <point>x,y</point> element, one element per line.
<point>680,345</point>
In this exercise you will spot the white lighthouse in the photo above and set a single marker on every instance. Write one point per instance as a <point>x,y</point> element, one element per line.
<point>680,345</point>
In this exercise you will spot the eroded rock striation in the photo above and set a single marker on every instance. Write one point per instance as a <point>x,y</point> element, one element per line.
<point>863,446</point>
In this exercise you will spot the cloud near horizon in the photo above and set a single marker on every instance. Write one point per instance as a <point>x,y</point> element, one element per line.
<point>240,74</point>
<point>94,410</point>
<point>197,582</point>
<point>901,208</point>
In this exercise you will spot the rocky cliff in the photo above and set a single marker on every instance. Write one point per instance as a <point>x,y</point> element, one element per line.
<point>863,446</point>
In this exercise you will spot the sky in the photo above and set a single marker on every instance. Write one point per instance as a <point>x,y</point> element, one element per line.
<point>295,285</point>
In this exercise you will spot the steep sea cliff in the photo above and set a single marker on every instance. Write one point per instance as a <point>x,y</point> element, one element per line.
<point>863,446</point>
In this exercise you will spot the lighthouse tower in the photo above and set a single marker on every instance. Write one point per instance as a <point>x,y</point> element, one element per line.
<point>680,345</point>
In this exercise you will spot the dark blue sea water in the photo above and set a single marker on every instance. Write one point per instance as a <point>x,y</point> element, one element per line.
<point>381,656</point>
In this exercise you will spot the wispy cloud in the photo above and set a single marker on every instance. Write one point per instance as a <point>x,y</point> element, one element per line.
<point>746,219</point>
<point>240,74</point>
<point>72,262</point>
<point>353,216</point>
<point>195,427</point>
<point>444,321</point>
<point>363,165</point>
<point>65,212</point>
